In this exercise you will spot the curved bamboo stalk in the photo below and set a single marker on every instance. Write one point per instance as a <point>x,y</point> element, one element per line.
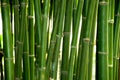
<point>116,38</point>
<point>86,41</point>
<point>58,39</point>
<point>102,42</point>
<point>110,37</point>
<point>74,40</point>
<point>83,28</point>
<point>66,39</point>
<point>31,39</point>
<point>26,64</point>
<point>7,41</point>
<point>92,41</point>
<point>38,23</point>
<point>18,57</point>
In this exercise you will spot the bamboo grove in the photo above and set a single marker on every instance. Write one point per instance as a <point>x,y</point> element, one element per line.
<point>58,39</point>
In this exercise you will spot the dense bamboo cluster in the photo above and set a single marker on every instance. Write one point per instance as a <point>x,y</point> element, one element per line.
<point>58,39</point>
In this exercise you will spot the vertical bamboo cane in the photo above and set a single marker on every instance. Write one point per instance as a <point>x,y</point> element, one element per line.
<point>92,42</point>
<point>110,37</point>
<point>102,42</point>
<point>74,40</point>
<point>7,41</point>
<point>66,39</point>
<point>116,38</point>
<point>31,39</point>
<point>58,38</point>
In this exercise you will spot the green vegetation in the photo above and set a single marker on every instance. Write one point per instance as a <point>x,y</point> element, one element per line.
<point>57,39</point>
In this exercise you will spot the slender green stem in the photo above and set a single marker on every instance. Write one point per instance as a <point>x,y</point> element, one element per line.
<point>102,42</point>
<point>38,22</point>
<point>115,43</point>
<point>44,39</point>
<point>83,28</point>
<point>26,67</point>
<point>86,41</point>
<point>18,57</point>
<point>110,37</point>
<point>66,38</point>
<point>92,42</point>
<point>58,39</point>
<point>31,39</point>
<point>53,36</point>
<point>7,41</point>
<point>74,40</point>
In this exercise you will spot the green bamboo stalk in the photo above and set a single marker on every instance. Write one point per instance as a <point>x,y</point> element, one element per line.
<point>18,57</point>
<point>16,24</point>
<point>86,41</point>
<point>66,39</point>
<point>31,39</point>
<point>83,28</point>
<point>26,64</point>
<point>53,35</point>
<point>58,39</point>
<point>116,38</point>
<point>7,41</point>
<point>92,42</point>
<point>110,37</point>
<point>38,22</point>
<point>74,40</point>
<point>44,39</point>
<point>102,42</point>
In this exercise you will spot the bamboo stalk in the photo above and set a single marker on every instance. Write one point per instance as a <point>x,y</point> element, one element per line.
<point>53,36</point>
<point>44,39</point>
<point>66,39</point>
<point>18,57</point>
<point>58,39</point>
<point>74,40</point>
<point>83,28</point>
<point>7,41</point>
<point>86,40</point>
<point>92,42</point>
<point>38,22</point>
<point>110,37</point>
<point>116,38</point>
<point>31,39</point>
<point>26,67</point>
<point>102,42</point>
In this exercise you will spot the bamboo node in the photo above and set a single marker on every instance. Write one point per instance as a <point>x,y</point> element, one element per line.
<point>117,58</point>
<point>16,5</point>
<point>26,52</point>
<point>74,47</point>
<point>117,15</point>
<point>64,72</point>
<point>42,69</point>
<point>30,17</point>
<point>74,8</point>
<point>8,58</point>
<point>111,21</point>
<point>19,42</point>
<point>44,16</point>
<point>58,36</point>
<point>66,33</point>
<point>103,3</point>
<point>4,4</point>
<point>38,46</point>
<point>86,39</point>
<point>110,65</point>
<point>32,55</point>
<point>83,17</point>
<point>51,78</point>
<point>52,41</point>
<point>104,53</point>
<point>23,4</point>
